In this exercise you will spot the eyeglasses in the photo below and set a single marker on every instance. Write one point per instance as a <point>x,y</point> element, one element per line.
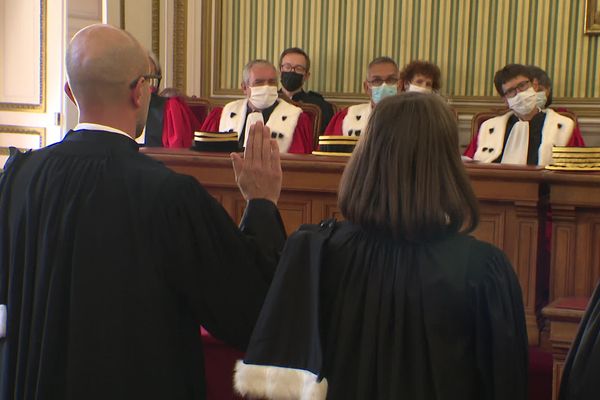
<point>378,81</point>
<point>521,87</point>
<point>153,80</point>
<point>287,67</point>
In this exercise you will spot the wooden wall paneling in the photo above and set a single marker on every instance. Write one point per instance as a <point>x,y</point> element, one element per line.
<point>492,220</point>
<point>512,203</point>
<point>595,256</point>
<point>295,210</point>
<point>587,247</point>
<point>575,262</point>
<point>562,262</point>
<point>564,324</point>
<point>531,260</point>
<point>332,210</point>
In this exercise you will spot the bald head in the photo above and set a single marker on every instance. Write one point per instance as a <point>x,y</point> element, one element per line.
<point>101,63</point>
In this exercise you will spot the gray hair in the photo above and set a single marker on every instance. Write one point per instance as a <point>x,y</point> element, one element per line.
<point>381,60</point>
<point>154,59</point>
<point>251,64</point>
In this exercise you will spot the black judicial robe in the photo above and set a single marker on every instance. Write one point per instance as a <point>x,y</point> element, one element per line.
<point>109,264</point>
<point>381,319</point>
<point>581,373</point>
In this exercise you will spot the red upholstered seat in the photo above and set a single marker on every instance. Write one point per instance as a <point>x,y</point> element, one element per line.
<point>199,106</point>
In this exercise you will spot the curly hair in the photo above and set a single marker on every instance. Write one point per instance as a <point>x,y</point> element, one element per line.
<point>424,68</point>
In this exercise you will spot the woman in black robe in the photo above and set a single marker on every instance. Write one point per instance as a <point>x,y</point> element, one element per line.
<point>396,302</point>
<point>581,374</point>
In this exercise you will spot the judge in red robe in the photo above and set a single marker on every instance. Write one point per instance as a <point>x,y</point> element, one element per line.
<point>526,133</point>
<point>289,125</point>
<point>171,123</point>
<point>382,81</point>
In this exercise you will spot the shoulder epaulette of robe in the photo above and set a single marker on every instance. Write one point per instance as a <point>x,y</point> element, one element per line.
<point>15,157</point>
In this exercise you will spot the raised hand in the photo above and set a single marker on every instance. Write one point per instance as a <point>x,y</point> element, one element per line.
<point>258,173</point>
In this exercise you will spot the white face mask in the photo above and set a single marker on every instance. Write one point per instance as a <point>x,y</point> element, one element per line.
<point>418,89</point>
<point>541,99</point>
<point>523,102</point>
<point>263,97</point>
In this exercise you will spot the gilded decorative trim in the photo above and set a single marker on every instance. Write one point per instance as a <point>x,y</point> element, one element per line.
<point>25,130</point>
<point>156,28</point>
<point>215,87</point>
<point>180,45</point>
<point>206,40</point>
<point>592,18</point>
<point>41,106</point>
<point>122,15</point>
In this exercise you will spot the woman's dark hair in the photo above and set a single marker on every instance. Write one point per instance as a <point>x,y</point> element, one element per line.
<point>509,72</point>
<point>406,176</point>
<point>424,68</point>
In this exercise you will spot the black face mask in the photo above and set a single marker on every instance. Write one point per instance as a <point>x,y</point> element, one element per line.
<point>291,81</point>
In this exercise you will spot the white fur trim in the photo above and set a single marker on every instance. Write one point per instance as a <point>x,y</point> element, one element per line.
<point>490,138</point>
<point>233,116</point>
<point>557,131</point>
<point>356,119</point>
<point>283,120</point>
<point>2,321</point>
<point>277,383</point>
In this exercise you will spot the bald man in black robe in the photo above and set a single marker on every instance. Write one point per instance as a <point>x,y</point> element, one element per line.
<point>110,262</point>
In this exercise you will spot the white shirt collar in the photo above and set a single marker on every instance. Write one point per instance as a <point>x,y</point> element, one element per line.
<point>97,127</point>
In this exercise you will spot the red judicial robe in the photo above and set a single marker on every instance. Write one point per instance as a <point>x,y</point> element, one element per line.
<point>289,125</point>
<point>179,124</point>
<point>171,123</point>
<point>576,140</point>
<point>349,121</point>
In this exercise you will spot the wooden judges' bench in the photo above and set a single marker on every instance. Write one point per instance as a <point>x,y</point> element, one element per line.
<point>513,206</point>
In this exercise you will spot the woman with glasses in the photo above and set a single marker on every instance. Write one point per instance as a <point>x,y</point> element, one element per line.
<point>382,81</point>
<point>397,301</point>
<point>526,133</point>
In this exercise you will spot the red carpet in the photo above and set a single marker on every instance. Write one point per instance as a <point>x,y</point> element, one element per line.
<point>220,360</point>
<point>540,374</point>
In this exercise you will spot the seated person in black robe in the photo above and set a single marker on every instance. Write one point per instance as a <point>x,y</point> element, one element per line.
<point>294,67</point>
<point>110,262</point>
<point>581,374</point>
<point>396,302</point>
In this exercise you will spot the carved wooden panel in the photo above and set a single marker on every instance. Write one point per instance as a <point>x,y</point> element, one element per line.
<point>557,371</point>
<point>333,211</point>
<point>595,256</point>
<point>525,259</point>
<point>586,264</point>
<point>492,219</point>
<point>294,213</point>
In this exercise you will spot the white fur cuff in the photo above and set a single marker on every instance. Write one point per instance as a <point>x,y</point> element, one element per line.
<point>278,383</point>
<point>2,321</point>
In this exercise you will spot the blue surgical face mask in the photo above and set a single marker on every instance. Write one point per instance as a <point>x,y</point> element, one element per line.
<point>381,92</point>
